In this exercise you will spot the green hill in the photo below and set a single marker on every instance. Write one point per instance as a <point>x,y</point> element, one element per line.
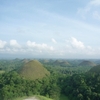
<point>62,63</point>
<point>95,69</point>
<point>33,70</point>
<point>25,60</point>
<point>65,64</point>
<point>44,61</point>
<point>58,61</point>
<point>87,63</point>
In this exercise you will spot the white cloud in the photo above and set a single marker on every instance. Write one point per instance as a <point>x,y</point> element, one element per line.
<point>40,47</point>
<point>95,2</point>
<point>77,48</point>
<point>2,43</point>
<point>77,44</point>
<point>30,48</point>
<point>89,8</point>
<point>73,48</point>
<point>14,44</point>
<point>54,41</point>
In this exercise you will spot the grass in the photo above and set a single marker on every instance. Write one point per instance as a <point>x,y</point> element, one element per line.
<point>33,70</point>
<point>1,72</point>
<point>63,97</point>
<point>37,96</point>
<point>20,98</point>
<point>43,98</point>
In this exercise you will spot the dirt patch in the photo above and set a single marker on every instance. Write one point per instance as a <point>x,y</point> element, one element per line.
<point>32,98</point>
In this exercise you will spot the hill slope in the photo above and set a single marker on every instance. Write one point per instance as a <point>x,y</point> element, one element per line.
<point>95,69</point>
<point>87,63</point>
<point>61,63</point>
<point>33,70</point>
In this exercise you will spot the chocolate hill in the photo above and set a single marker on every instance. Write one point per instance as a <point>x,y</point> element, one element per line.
<point>33,70</point>
<point>95,69</point>
<point>61,63</point>
<point>87,63</point>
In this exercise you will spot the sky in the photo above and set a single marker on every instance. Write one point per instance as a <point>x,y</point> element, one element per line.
<point>50,29</point>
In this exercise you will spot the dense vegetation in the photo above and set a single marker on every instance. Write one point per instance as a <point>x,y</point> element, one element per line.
<point>82,87</point>
<point>12,86</point>
<point>71,81</point>
<point>9,65</point>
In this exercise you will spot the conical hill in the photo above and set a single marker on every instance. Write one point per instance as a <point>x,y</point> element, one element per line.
<point>62,63</point>
<point>87,63</point>
<point>33,70</point>
<point>95,69</point>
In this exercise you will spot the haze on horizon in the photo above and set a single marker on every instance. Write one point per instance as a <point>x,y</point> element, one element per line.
<point>50,28</point>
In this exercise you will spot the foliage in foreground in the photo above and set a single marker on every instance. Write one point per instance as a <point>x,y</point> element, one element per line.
<point>82,86</point>
<point>36,96</point>
<point>13,86</point>
<point>76,87</point>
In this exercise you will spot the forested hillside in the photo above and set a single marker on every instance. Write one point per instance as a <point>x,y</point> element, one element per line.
<point>72,82</point>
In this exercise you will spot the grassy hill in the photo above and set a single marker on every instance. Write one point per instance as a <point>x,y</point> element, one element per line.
<point>87,63</point>
<point>95,69</point>
<point>33,70</point>
<point>58,61</point>
<point>25,60</point>
<point>61,63</point>
<point>45,61</point>
<point>65,64</point>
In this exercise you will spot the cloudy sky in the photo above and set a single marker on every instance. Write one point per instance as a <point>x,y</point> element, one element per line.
<point>50,28</point>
